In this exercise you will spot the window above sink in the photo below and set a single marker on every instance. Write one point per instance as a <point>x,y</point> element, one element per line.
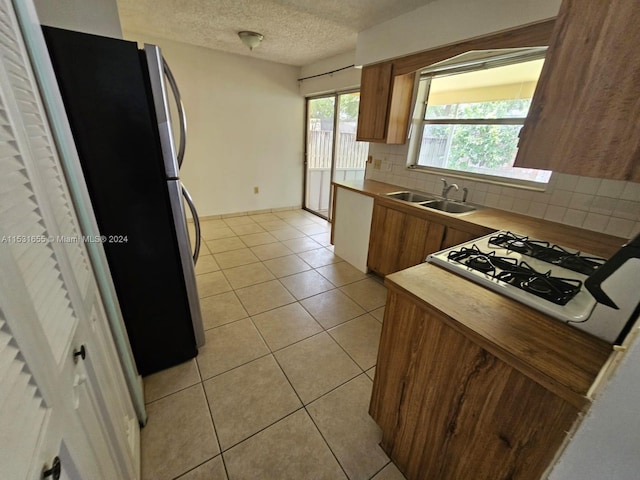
<point>469,112</point>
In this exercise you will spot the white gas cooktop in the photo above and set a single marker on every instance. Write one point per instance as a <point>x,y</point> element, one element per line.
<point>507,263</point>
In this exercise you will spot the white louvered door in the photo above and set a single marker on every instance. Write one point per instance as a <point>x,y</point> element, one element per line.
<point>52,403</point>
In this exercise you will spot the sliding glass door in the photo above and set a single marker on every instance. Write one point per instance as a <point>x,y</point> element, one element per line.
<point>332,152</point>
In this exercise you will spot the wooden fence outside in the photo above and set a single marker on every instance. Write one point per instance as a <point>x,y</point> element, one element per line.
<point>433,150</point>
<point>350,153</point>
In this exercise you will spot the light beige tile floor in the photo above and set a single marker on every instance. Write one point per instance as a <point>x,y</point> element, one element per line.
<point>281,388</point>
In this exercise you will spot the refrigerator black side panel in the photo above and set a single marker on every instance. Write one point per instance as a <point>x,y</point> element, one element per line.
<point>106,97</point>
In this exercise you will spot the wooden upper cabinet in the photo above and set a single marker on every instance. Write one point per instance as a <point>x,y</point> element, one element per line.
<point>585,114</point>
<point>375,85</point>
<point>386,89</point>
<point>385,104</point>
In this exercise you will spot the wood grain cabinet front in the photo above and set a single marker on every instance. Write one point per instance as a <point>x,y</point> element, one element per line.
<point>454,236</point>
<point>399,240</point>
<point>450,410</point>
<point>585,115</point>
<point>385,104</point>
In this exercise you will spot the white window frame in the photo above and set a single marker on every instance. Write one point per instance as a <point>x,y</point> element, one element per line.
<point>493,58</point>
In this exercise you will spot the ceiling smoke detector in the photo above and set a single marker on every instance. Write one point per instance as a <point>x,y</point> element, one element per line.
<point>250,39</point>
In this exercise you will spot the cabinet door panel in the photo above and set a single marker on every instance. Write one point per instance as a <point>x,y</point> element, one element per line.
<point>375,88</point>
<point>449,409</point>
<point>376,238</point>
<point>400,108</point>
<point>433,239</point>
<point>399,240</point>
<point>584,117</point>
<point>456,237</point>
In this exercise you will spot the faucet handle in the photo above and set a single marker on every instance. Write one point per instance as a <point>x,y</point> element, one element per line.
<point>465,192</point>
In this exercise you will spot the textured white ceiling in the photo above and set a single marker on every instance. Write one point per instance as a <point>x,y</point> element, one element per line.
<point>296,32</point>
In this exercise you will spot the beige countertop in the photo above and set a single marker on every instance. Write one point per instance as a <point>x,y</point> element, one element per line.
<point>488,219</point>
<point>559,357</point>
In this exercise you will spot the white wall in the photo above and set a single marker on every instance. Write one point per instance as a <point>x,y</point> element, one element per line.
<point>245,129</point>
<point>607,443</point>
<point>443,22</point>
<point>342,80</point>
<point>99,17</point>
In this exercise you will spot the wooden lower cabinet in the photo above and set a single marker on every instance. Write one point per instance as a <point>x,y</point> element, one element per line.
<point>399,240</point>
<point>449,409</point>
<point>453,236</point>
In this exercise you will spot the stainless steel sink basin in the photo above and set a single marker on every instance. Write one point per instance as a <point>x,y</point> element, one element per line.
<point>410,197</point>
<point>432,201</point>
<point>449,206</point>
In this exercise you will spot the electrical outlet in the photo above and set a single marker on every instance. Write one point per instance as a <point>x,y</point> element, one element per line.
<point>377,163</point>
<point>256,190</point>
<point>388,166</point>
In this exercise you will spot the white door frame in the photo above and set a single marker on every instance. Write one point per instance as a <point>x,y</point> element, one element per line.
<point>61,131</point>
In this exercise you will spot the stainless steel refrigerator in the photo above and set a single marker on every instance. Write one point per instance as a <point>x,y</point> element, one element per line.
<point>116,99</point>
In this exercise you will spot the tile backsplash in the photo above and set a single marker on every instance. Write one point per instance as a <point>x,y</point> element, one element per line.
<point>607,206</point>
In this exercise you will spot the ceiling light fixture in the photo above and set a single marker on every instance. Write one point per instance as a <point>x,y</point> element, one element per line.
<point>250,39</point>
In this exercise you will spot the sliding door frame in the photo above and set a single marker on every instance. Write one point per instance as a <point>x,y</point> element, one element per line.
<point>336,106</point>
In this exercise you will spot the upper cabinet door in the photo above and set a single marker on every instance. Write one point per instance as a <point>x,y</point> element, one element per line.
<point>385,104</point>
<point>585,114</point>
<point>375,89</point>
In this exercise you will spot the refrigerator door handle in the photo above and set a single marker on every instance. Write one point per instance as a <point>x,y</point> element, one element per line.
<point>181,114</point>
<point>196,223</point>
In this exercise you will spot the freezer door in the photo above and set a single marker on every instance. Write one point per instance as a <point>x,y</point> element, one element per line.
<point>184,247</point>
<point>155,64</point>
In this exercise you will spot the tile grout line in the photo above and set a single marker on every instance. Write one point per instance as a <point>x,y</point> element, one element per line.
<point>240,365</point>
<point>213,422</point>
<point>335,287</point>
<point>272,352</point>
<point>326,442</point>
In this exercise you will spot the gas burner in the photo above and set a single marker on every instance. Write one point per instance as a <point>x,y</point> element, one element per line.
<point>537,273</point>
<point>505,239</point>
<point>554,289</point>
<point>547,253</point>
<point>475,259</point>
<point>571,261</point>
<point>518,246</point>
<point>580,264</point>
<point>480,262</point>
<point>537,285</point>
<point>518,243</point>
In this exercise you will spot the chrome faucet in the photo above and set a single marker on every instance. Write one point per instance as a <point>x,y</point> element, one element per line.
<point>465,192</point>
<point>447,188</point>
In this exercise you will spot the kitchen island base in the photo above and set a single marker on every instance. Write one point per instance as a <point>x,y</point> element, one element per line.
<point>454,405</point>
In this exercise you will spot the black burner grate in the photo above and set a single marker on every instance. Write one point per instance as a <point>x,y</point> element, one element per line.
<point>518,274</point>
<point>546,252</point>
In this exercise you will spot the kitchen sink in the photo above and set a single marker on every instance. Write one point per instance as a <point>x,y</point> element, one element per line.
<point>410,197</point>
<point>449,206</point>
<point>431,201</point>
